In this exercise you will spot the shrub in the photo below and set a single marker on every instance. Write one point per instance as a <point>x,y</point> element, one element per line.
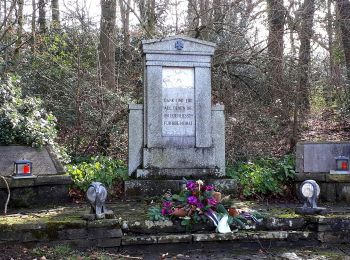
<point>264,176</point>
<point>99,168</point>
<point>23,120</point>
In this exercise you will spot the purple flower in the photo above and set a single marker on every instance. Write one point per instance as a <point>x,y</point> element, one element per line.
<point>212,202</point>
<point>167,204</point>
<point>164,211</point>
<point>193,200</point>
<point>191,185</point>
<point>209,187</point>
<point>200,205</point>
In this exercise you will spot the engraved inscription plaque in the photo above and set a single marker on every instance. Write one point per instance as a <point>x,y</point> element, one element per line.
<point>178,115</point>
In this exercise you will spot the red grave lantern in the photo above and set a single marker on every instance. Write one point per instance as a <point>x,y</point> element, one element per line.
<point>342,163</point>
<point>22,168</point>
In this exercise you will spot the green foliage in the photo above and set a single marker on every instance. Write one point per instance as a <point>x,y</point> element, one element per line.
<point>64,72</point>
<point>23,120</point>
<point>99,168</point>
<point>155,213</point>
<point>264,176</point>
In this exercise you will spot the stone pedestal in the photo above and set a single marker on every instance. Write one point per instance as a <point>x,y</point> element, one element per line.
<point>177,132</point>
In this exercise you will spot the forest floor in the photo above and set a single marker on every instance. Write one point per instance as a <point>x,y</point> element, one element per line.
<point>327,124</point>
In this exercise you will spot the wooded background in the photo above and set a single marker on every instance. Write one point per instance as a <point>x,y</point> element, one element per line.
<point>281,68</point>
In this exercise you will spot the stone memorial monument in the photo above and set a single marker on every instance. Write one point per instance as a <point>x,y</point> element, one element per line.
<point>177,132</point>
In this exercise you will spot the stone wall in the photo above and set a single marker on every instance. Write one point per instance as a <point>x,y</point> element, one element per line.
<point>316,160</point>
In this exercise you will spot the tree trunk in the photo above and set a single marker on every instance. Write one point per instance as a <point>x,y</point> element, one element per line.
<point>305,34</point>
<point>42,16</point>
<point>276,19</point>
<point>125,19</point>
<point>192,17</point>
<point>19,41</point>
<point>333,46</point>
<point>107,46</point>
<point>151,18</point>
<point>33,25</point>
<point>218,16</point>
<point>205,19</point>
<point>344,16</point>
<point>55,11</point>
<point>301,102</point>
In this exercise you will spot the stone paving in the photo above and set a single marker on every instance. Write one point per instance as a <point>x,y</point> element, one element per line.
<point>131,227</point>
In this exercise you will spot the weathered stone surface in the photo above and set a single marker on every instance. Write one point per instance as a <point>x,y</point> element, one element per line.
<point>140,188</point>
<point>139,240</point>
<point>174,173</point>
<point>178,158</point>
<point>320,157</point>
<point>203,107</point>
<point>217,237</point>
<point>53,180</point>
<point>218,127</point>
<point>63,226</point>
<point>180,238</point>
<point>135,137</point>
<point>36,195</point>
<point>10,236</point>
<point>43,163</point>
<point>94,233</point>
<point>343,191</point>
<point>319,177</point>
<point>39,180</point>
<point>275,223</point>
<point>103,223</point>
<point>167,46</point>
<point>181,130</point>
<point>68,234</point>
<point>316,160</point>
<point>338,178</point>
<point>334,237</point>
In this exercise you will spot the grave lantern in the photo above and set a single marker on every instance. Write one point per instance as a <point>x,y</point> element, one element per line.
<point>342,163</point>
<point>22,168</point>
<point>310,191</point>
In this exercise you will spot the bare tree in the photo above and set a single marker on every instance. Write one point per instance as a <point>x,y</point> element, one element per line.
<point>42,16</point>
<point>19,40</point>
<point>305,35</point>
<point>55,12</point>
<point>302,94</point>
<point>344,20</point>
<point>33,24</point>
<point>150,17</point>
<point>125,19</point>
<point>192,17</point>
<point>275,46</point>
<point>107,45</point>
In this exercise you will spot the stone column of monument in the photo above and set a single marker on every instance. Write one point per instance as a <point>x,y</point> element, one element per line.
<point>177,132</point>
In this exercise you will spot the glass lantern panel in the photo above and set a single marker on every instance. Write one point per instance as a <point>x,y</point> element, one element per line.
<point>23,168</point>
<point>342,165</point>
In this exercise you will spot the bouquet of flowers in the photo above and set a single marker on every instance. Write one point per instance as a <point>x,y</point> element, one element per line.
<point>198,202</point>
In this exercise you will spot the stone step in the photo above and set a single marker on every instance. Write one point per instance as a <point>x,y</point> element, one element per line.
<point>215,237</point>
